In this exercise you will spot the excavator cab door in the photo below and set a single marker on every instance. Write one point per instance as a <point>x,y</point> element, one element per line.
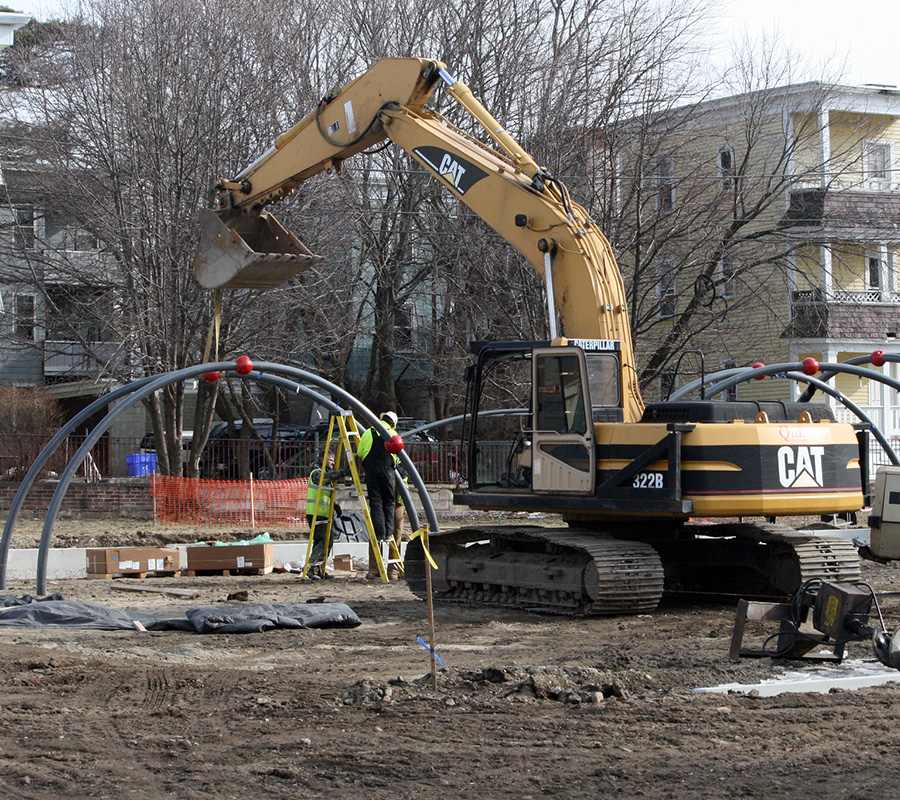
<point>563,454</point>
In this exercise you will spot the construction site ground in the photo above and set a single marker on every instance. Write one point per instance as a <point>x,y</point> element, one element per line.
<point>526,706</point>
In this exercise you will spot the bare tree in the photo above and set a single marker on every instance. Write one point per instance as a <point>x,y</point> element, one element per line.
<point>414,249</point>
<point>700,212</point>
<point>156,101</point>
<point>139,108</point>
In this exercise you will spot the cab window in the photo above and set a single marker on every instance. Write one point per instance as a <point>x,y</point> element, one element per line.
<point>560,395</point>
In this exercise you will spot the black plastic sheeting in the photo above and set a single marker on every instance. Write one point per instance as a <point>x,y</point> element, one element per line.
<point>25,599</point>
<point>210,619</point>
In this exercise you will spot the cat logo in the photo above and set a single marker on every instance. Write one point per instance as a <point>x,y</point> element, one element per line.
<point>462,175</point>
<point>800,467</point>
<point>451,170</point>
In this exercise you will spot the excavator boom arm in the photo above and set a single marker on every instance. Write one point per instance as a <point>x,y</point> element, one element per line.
<point>508,190</point>
<point>343,124</point>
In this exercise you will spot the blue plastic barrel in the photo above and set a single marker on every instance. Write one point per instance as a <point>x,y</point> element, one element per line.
<point>140,464</point>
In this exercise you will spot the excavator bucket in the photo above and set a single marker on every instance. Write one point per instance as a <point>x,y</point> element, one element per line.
<point>247,251</point>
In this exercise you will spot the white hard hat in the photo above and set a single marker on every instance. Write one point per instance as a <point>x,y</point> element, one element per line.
<point>390,417</point>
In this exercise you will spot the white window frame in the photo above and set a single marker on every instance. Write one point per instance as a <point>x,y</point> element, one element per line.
<point>20,321</point>
<point>725,280</point>
<point>726,173</point>
<point>25,229</point>
<point>665,183</point>
<point>882,395</point>
<point>412,326</point>
<point>666,288</point>
<point>889,272</point>
<point>883,177</point>
<point>874,255</point>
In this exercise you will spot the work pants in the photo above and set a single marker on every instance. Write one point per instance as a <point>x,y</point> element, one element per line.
<point>318,556</point>
<point>380,489</point>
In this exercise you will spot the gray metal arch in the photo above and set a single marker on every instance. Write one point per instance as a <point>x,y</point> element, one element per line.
<point>791,371</point>
<point>817,383</point>
<point>689,388</point>
<point>739,374</point>
<point>37,466</point>
<point>804,398</point>
<point>827,376</point>
<point>776,369</point>
<point>497,412</point>
<point>148,386</point>
<point>85,414</point>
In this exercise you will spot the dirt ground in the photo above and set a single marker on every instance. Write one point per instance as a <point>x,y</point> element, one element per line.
<point>526,706</point>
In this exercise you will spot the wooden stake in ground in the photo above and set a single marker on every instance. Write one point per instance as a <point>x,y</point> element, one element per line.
<point>252,504</point>
<point>430,602</point>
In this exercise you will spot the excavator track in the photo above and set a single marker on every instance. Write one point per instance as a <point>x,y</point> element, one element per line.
<point>801,556</point>
<point>553,571</point>
<point>584,573</point>
<point>750,560</point>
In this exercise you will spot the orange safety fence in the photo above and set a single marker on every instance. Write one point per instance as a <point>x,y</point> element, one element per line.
<point>195,501</point>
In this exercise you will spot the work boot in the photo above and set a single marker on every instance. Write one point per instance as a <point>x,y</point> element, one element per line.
<point>373,573</point>
<point>393,572</point>
<point>314,573</point>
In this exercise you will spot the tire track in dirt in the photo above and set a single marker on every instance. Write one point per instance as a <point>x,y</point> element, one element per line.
<point>157,691</point>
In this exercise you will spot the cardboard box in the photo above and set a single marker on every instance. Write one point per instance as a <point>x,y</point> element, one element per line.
<point>343,563</point>
<point>132,560</point>
<point>231,557</point>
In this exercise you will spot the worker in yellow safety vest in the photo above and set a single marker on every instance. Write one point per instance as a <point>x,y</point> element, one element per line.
<point>321,488</point>
<point>379,465</point>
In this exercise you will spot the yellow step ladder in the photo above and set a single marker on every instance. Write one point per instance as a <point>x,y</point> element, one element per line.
<point>347,445</point>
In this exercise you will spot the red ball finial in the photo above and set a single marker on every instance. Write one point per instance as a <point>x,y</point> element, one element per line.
<point>810,366</point>
<point>394,444</point>
<point>244,366</point>
<point>757,365</point>
<point>211,377</point>
<point>877,358</point>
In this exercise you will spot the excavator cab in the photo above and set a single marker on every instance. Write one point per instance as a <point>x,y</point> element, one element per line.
<point>552,449</point>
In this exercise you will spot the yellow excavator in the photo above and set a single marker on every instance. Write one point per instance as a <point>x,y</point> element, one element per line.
<point>627,479</point>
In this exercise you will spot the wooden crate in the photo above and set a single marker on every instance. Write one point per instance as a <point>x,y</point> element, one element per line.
<point>227,558</point>
<point>133,561</point>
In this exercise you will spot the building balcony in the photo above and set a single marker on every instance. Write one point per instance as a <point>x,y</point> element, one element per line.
<point>60,265</point>
<point>869,315</point>
<point>76,360</point>
<point>886,419</point>
<point>844,213</point>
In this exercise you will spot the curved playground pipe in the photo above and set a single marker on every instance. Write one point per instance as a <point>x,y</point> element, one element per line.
<point>38,465</point>
<point>736,375</point>
<point>827,376</point>
<point>141,389</point>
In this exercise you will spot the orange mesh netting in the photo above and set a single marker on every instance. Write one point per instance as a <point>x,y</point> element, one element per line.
<point>192,501</point>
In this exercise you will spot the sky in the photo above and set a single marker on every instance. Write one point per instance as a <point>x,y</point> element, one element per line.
<point>861,33</point>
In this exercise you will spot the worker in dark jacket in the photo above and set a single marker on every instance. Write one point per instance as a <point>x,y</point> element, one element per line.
<point>379,465</point>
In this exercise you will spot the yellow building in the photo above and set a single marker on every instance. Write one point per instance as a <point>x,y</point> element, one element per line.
<point>771,229</point>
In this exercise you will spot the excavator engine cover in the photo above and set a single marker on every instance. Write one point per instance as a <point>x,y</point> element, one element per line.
<point>247,251</point>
